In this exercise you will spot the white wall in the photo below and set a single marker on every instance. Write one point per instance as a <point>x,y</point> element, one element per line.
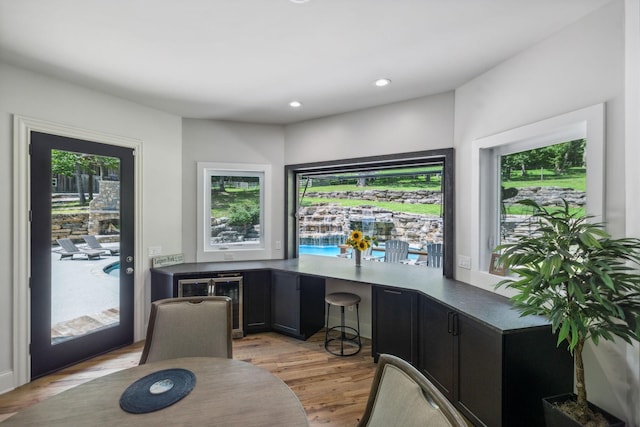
<point>35,96</point>
<point>632,172</point>
<point>415,125</point>
<point>580,66</point>
<point>231,142</point>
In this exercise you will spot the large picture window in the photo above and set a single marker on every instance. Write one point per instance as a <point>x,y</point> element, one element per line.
<point>407,197</point>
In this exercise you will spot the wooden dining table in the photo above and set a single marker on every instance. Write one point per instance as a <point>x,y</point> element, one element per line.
<point>227,392</point>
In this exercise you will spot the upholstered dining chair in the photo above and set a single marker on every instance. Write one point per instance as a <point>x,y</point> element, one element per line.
<point>395,250</point>
<point>401,396</point>
<point>189,327</point>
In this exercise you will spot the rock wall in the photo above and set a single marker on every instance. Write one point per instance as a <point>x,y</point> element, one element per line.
<point>330,224</point>
<point>72,225</point>
<point>548,196</point>
<point>411,197</point>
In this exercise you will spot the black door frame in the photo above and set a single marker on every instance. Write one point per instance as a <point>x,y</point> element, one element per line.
<point>46,356</point>
<point>22,128</point>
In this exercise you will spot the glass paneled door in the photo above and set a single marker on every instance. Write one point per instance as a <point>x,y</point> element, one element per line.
<point>82,210</point>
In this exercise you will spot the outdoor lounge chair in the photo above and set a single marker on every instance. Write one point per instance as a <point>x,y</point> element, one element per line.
<point>395,251</point>
<point>68,249</point>
<point>93,243</point>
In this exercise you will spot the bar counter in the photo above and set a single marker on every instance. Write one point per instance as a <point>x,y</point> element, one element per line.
<point>493,310</point>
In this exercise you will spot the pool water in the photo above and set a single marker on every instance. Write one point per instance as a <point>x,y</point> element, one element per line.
<point>318,250</point>
<point>332,251</point>
<point>113,269</point>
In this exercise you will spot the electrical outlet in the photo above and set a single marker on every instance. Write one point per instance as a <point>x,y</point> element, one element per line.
<point>464,262</point>
<point>350,308</point>
<point>155,250</point>
<point>228,256</point>
<point>278,245</point>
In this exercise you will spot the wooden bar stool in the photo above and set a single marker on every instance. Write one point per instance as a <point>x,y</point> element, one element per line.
<point>347,336</point>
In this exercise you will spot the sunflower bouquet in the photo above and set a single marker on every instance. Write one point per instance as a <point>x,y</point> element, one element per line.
<point>359,241</point>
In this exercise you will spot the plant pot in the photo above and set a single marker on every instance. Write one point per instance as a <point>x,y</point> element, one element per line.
<point>554,417</point>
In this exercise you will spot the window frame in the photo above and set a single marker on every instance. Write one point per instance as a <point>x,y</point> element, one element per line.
<point>206,251</point>
<point>585,123</point>
<point>445,156</point>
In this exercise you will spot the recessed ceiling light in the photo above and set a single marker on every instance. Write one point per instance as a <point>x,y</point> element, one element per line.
<point>295,104</point>
<point>382,82</point>
<point>299,1</point>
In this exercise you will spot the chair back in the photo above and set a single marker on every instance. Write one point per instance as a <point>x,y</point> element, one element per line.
<point>401,396</point>
<point>189,327</point>
<point>92,242</point>
<point>434,255</point>
<point>68,245</point>
<point>395,250</point>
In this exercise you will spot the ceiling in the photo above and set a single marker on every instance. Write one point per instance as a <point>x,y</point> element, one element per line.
<point>245,60</point>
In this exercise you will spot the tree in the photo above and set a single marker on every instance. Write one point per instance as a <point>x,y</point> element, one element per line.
<point>76,164</point>
<point>581,279</point>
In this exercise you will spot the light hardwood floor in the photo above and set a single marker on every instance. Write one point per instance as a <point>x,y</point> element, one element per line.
<point>332,389</point>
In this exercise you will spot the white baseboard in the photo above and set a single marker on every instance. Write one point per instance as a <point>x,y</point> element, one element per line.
<point>6,381</point>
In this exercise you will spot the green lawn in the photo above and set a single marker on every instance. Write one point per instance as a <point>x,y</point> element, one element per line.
<point>573,178</point>
<point>433,210</point>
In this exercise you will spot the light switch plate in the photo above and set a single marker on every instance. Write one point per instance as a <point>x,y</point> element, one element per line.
<point>464,262</point>
<point>155,250</point>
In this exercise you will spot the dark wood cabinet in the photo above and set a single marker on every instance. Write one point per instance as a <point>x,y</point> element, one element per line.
<point>494,378</point>
<point>255,290</point>
<point>493,364</point>
<point>297,304</point>
<point>435,344</point>
<point>394,318</point>
<point>257,301</point>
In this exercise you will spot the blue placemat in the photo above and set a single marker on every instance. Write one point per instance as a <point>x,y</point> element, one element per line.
<point>157,390</point>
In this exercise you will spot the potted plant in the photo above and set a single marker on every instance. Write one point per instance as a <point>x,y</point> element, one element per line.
<point>581,279</point>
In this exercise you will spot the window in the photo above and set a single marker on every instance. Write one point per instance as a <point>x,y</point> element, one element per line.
<point>558,158</point>
<point>232,208</point>
<point>548,175</point>
<point>406,196</point>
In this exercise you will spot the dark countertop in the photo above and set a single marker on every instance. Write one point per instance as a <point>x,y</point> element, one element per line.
<point>493,310</point>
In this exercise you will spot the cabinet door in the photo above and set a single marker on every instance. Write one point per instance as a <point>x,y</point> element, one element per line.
<point>257,301</point>
<point>285,303</point>
<point>480,372</point>
<point>394,323</point>
<point>312,291</point>
<point>435,344</point>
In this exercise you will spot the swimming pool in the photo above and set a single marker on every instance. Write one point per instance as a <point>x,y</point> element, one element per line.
<point>318,250</point>
<point>332,251</point>
<point>112,269</point>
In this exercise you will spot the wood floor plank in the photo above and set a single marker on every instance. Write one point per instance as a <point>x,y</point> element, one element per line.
<point>333,390</point>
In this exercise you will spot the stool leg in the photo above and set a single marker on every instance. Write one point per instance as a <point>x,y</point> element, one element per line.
<point>342,335</point>
<point>326,328</point>
<point>358,319</point>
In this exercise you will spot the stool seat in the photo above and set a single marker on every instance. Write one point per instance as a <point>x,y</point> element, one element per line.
<point>348,338</point>
<point>342,299</point>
